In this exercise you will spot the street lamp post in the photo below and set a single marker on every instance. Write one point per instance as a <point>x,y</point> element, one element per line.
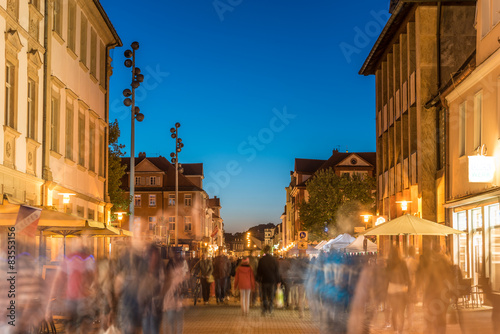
<point>137,78</point>
<point>178,168</point>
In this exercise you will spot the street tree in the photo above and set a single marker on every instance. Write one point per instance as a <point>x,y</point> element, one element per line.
<point>116,170</point>
<point>335,203</point>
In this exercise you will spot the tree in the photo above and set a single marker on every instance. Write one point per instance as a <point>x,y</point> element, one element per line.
<point>116,170</point>
<point>335,203</point>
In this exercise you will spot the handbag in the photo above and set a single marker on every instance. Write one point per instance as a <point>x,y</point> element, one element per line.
<point>112,330</point>
<point>279,297</point>
<point>396,288</point>
<point>210,279</point>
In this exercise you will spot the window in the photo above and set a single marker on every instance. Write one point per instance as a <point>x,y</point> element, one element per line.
<point>10,95</point>
<point>101,153</point>
<point>79,211</point>
<point>69,130</point>
<point>152,223</point>
<point>152,200</point>
<point>72,25</point>
<point>171,199</point>
<point>31,127</point>
<point>90,214</point>
<point>137,180</point>
<point>57,24</point>
<point>152,180</point>
<point>461,129</point>
<point>477,218</point>
<point>137,200</point>
<point>83,40</point>
<point>81,139</point>
<point>93,52</point>
<point>102,64</point>
<point>188,200</point>
<point>478,106</point>
<point>187,223</point>
<point>54,124</point>
<point>92,146</point>
<point>171,223</point>
<point>490,15</point>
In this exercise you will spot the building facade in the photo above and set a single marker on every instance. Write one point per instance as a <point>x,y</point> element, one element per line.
<point>215,224</point>
<point>472,105</point>
<point>54,133</point>
<point>419,49</point>
<point>343,163</point>
<point>154,202</point>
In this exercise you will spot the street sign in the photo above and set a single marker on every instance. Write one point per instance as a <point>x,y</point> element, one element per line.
<point>302,245</point>
<point>302,235</point>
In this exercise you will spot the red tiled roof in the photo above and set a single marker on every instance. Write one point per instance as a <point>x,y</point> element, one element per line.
<point>337,157</point>
<point>193,169</point>
<point>213,202</point>
<point>164,165</point>
<point>307,165</point>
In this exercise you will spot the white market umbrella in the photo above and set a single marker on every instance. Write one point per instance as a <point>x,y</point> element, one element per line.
<point>411,225</point>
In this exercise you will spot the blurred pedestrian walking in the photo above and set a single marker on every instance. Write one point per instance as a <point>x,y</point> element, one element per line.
<point>268,276</point>
<point>436,276</point>
<point>245,282</point>
<point>222,271</point>
<point>206,274</point>
<point>76,274</point>
<point>397,291</point>
<point>177,272</point>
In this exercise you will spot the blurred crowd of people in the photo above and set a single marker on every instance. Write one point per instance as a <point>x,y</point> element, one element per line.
<point>140,292</point>
<point>136,292</point>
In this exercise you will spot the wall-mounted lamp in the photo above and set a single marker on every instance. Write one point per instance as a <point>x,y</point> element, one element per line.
<point>120,214</point>
<point>66,197</point>
<point>404,205</point>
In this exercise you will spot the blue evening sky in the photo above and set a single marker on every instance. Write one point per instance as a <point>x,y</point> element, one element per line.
<point>254,84</point>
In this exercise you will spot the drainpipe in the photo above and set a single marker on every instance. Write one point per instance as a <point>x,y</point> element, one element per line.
<point>45,152</point>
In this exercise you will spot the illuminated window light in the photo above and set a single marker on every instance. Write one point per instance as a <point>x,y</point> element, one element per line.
<point>66,197</point>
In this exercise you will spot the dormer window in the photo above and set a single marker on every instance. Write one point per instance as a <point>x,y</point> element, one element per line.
<point>152,180</point>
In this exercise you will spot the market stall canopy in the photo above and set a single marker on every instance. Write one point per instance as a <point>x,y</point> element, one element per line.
<point>411,225</point>
<point>340,242</point>
<point>358,246</point>
<point>321,244</point>
<point>309,251</point>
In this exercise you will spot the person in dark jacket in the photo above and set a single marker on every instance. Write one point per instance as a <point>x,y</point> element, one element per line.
<point>268,275</point>
<point>222,270</point>
<point>206,271</point>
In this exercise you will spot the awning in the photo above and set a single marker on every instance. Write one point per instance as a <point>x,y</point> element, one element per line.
<point>411,225</point>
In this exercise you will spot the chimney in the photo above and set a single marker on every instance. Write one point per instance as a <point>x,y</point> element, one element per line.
<point>142,154</point>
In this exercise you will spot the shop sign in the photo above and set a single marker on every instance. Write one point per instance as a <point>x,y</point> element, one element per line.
<point>481,168</point>
<point>302,245</point>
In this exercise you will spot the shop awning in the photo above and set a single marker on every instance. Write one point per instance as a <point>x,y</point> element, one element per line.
<point>411,225</point>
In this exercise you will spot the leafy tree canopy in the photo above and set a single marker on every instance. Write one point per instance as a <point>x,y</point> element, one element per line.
<point>335,203</point>
<point>116,170</point>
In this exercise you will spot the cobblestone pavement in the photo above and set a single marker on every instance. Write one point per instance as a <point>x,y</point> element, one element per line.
<point>222,319</point>
<point>228,319</point>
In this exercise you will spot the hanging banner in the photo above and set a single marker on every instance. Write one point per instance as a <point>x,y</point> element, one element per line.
<point>214,233</point>
<point>27,220</point>
<point>481,169</point>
